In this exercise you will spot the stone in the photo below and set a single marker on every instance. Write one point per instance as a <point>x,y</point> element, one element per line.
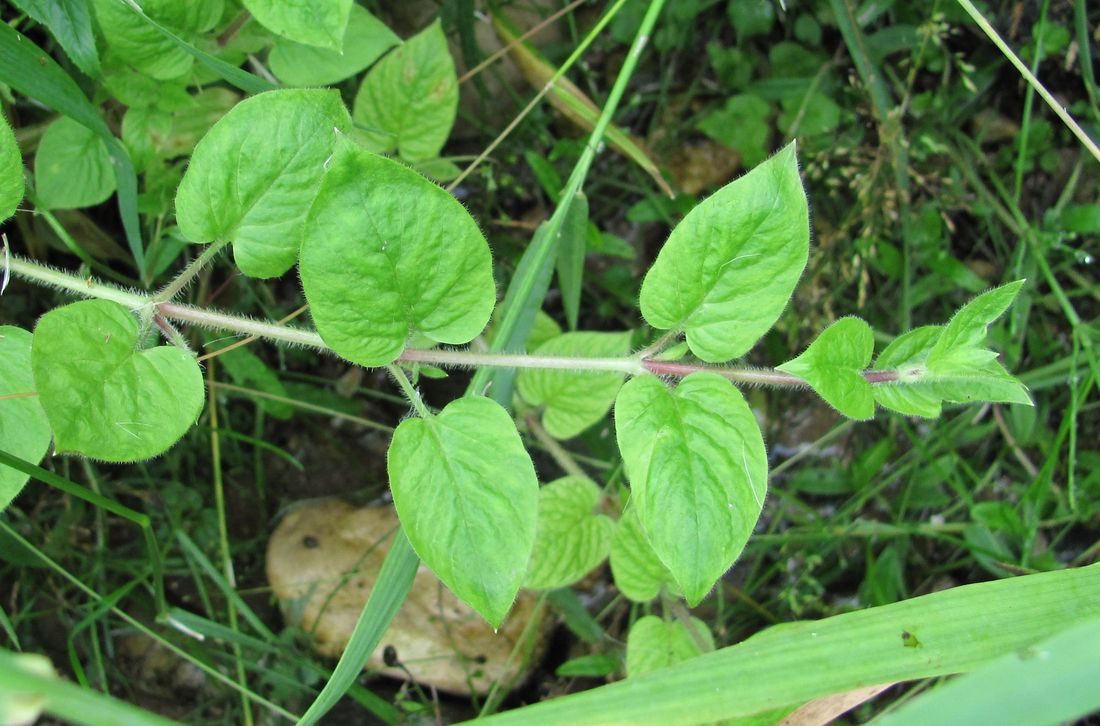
<point>322,562</point>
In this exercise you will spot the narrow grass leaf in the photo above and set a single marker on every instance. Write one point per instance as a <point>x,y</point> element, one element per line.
<point>103,396</point>
<point>408,101</point>
<point>728,269</point>
<point>70,23</point>
<point>242,79</point>
<point>397,249</point>
<point>254,175</point>
<point>698,473</point>
<point>24,429</point>
<point>466,493</point>
<point>571,101</point>
<point>946,632</point>
<point>573,401</point>
<point>1050,682</point>
<point>366,39</point>
<point>132,36</point>
<point>389,593</point>
<point>833,366</point>
<point>571,251</point>
<point>653,643</point>
<point>571,538</point>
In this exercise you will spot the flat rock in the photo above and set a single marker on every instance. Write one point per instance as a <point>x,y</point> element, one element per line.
<point>322,562</point>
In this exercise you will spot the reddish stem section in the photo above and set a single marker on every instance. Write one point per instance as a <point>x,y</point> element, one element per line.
<point>760,376</point>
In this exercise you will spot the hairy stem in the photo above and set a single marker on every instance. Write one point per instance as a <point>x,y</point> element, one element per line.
<point>188,273</point>
<point>631,365</point>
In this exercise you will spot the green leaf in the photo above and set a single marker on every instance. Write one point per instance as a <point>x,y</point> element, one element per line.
<point>242,79</point>
<point>635,567</point>
<point>574,400</point>
<point>152,133</point>
<point>316,22</point>
<point>11,172</point>
<point>408,101</point>
<point>741,124</point>
<point>911,348</point>
<point>948,363</point>
<point>967,329</point>
<point>142,46</point>
<point>729,268</point>
<point>958,630</point>
<point>104,397</point>
<point>24,430</point>
<point>70,23</point>
<point>365,40</point>
<point>253,177</point>
<point>833,366</point>
<point>571,539</point>
<point>31,71</point>
<point>698,471</point>
<point>72,167</point>
<point>467,496</point>
<point>571,251</point>
<point>1051,682</point>
<point>653,644</point>
<point>398,250</point>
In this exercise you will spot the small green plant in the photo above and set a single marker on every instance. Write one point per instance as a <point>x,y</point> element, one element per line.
<point>392,265</point>
<point>396,273</point>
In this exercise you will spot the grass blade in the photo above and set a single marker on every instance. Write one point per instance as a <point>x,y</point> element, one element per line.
<point>1028,76</point>
<point>1049,683</point>
<point>242,79</point>
<point>946,632</point>
<point>385,600</point>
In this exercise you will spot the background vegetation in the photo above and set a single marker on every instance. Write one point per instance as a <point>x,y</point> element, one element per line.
<point>934,173</point>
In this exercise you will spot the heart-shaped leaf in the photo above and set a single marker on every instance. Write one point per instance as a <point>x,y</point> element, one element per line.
<point>833,366</point>
<point>467,496</point>
<point>387,253</point>
<point>105,398</point>
<point>654,643</point>
<point>253,176</point>
<point>317,22</point>
<point>571,538</point>
<point>698,472</point>
<point>409,100</point>
<point>24,430</point>
<point>574,400</point>
<point>72,167</point>
<point>729,268</point>
<point>365,40</point>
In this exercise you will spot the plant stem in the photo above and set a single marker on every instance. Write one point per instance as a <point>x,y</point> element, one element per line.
<point>464,358</point>
<point>1034,82</point>
<point>188,273</point>
<point>410,391</point>
<point>631,366</point>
